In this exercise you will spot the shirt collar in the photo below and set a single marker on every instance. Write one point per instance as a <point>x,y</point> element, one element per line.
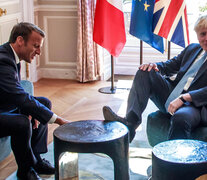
<point>15,55</point>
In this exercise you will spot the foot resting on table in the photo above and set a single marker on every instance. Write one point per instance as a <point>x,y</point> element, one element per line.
<point>109,115</point>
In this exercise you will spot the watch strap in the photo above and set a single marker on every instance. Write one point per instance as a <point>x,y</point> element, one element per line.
<point>182,99</point>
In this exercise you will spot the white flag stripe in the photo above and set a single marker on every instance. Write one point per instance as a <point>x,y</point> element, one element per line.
<point>116,3</point>
<point>159,5</point>
<point>161,19</point>
<point>185,30</point>
<point>176,21</point>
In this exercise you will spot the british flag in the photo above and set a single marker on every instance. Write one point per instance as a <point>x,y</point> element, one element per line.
<point>170,21</point>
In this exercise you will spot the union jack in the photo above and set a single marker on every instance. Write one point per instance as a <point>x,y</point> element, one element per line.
<point>170,21</point>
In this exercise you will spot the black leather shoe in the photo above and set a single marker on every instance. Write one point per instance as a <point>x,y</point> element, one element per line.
<point>30,175</point>
<point>109,115</point>
<point>44,167</point>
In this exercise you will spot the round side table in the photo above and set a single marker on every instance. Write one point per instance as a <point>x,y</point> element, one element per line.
<point>179,160</point>
<point>94,136</point>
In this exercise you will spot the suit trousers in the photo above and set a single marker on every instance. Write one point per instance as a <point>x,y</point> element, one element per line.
<point>152,85</point>
<point>184,121</point>
<point>26,142</point>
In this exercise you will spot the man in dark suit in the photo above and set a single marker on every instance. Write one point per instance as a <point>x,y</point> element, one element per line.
<point>184,98</point>
<point>23,117</point>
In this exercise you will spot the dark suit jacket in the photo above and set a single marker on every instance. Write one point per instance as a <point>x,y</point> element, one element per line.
<point>179,65</point>
<point>12,95</point>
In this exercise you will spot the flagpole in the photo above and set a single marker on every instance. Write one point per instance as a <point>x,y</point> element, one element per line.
<point>169,49</point>
<point>141,52</point>
<point>112,89</point>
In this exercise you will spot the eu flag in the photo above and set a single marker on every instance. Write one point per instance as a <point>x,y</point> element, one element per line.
<point>141,23</point>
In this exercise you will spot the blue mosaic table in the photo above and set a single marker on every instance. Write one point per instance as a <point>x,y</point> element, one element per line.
<point>179,160</point>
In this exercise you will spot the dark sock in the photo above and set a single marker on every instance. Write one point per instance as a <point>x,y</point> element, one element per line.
<point>38,157</point>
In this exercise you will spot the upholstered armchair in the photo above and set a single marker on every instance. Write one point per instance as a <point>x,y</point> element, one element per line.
<point>5,147</point>
<point>158,125</point>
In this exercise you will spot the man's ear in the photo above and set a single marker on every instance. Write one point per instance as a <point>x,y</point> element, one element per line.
<point>20,41</point>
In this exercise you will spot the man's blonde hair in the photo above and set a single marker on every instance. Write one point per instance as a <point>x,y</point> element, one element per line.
<point>201,23</point>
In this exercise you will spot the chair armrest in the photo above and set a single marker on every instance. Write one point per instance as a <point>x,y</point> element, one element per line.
<point>28,86</point>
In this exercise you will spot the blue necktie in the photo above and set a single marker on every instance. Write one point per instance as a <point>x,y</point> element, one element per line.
<point>190,73</point>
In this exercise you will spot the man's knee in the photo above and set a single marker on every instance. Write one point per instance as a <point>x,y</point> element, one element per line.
<point>48,103</point>
<point>181,120</point>
<point>45,101</point>
<point>143,75</point>
<point>23,124</point>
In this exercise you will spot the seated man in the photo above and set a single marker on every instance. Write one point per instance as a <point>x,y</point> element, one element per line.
<point>184,98</point>
<point>23,117</point>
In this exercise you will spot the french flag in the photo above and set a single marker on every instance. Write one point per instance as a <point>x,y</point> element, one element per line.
<point>109,28</point>
<point>170,21</point>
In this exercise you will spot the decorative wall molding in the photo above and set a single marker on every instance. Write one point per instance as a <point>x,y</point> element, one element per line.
<point>46,50</point>
<point>106,58</point>
<point>10,17</point>
<point>54,73</point>
<point>10,2</point>
<point>55,8</point>
<point>57,0</point>
<point>27,8</point>
<point>39,75</point>
<point>37,58</point>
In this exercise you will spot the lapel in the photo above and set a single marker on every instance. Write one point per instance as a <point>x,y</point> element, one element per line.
<point>200,71</point>
<point>11,53</point>
<point>191,60</point>
<point>9,49</point>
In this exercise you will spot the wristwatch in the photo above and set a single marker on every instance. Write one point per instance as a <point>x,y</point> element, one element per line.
<point>182,99</point>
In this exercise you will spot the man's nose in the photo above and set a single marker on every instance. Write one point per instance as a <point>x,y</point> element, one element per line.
<point>38,51</point>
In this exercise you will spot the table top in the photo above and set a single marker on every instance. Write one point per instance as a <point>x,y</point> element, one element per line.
<point>91,131</point>
<point>181,151</point>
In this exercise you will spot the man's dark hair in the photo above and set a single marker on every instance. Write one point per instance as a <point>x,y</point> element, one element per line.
<point>24,29</point>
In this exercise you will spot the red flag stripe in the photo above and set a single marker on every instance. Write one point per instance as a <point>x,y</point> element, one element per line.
<point>186,25</point>
<point>169,18</point>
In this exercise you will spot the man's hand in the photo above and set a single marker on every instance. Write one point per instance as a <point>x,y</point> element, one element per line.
<point>174,105</point>
<point>177,103</point>
<point>36,124</point>
<point>148,67</point>
<point>61,121</point>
